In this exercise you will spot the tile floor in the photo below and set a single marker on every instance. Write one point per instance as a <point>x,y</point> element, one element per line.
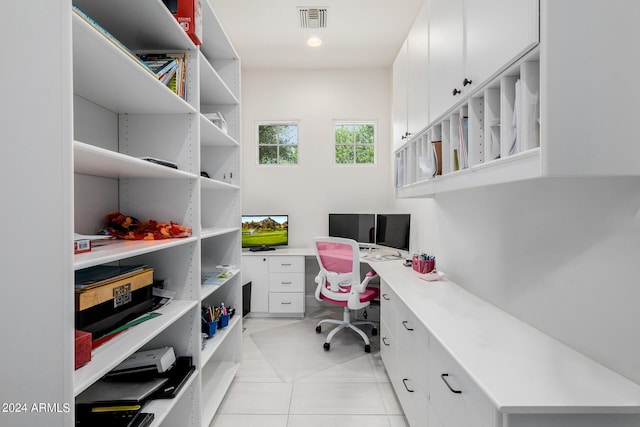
<point>355,392</point>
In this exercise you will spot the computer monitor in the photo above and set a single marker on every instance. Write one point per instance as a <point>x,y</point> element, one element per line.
<point>359,227</point>
<point>392,230</point>
<point>265,232</point>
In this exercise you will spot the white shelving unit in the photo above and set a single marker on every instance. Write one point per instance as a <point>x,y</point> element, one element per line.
<point>104,112</point>
<point>536,116</point>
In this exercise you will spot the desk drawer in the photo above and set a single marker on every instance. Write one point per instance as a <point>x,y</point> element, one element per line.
<point>286,264</point>
<point>286,282</point>
<point>286,302</point>
<point>457,400</point>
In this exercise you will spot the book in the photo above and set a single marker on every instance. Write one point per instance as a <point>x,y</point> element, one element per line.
<point>173,76</point>
<point>110,37</point>
<point>101,274</point>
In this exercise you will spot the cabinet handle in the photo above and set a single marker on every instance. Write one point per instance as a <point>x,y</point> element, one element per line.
<point>386,297</point>
<point>404,323</point>
<point>466,81</point>
<point>285,303</point>
<point>444,378</point>
<point>384,341</point>
<point>286,265</point>
<point>456,91</point>
<point>404,381</point>
<point>285,283</point>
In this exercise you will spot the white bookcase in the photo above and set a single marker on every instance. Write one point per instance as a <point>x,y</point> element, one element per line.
<point>560,102</point>
<point>107,111</point>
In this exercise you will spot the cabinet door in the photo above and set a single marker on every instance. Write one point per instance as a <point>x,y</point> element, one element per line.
<point>255,269</point>
<point>445,55</point>
<point>497,32</point>
<point>418,65</point>
<point>400,93</point>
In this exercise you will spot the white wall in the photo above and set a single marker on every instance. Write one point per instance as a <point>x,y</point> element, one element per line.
<point>561,254</point>
<point>316,186</point>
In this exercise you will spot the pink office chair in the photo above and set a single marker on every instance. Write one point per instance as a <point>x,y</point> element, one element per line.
<point>339,283</point>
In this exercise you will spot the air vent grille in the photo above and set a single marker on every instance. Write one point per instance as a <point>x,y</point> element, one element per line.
<point>313,17</point>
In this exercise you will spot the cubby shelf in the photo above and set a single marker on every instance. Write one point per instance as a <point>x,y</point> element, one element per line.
<point>491,137</point>
<point>111,353</point>
<point>123,112</point>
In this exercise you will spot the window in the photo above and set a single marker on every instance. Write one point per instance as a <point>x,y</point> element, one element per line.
<point>354,143</point>
<point>278,144</point>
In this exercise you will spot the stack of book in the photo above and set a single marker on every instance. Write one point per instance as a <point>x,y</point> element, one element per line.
<point>170,68</point>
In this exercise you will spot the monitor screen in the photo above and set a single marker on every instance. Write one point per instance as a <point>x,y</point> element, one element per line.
<point>392,230</point>
<point>265,230</point>
<point>359,227</point>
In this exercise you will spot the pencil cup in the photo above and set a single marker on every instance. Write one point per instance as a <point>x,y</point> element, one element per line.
<point>209,328</point>
<point>224,321</point>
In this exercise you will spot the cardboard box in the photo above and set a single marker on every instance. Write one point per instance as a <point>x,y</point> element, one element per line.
<point>82,348</point>
<point>189,16</point>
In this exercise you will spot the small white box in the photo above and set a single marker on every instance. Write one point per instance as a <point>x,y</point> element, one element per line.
<point>218,120</point>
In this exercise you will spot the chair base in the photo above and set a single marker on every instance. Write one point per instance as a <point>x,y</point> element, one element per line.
<point>347,323</point>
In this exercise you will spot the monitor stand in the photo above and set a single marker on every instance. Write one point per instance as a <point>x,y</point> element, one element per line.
<point>262,248</point>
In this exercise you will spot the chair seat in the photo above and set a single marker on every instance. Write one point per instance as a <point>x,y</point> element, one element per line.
<point>368,295</point>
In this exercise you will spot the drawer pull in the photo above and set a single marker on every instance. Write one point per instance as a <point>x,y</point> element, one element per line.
<point>444,378</point>
<point>286,303</point>
<point>404,323</point>
<point>286,265</point>
<point>386,297</point>
<point>286,283</point>
<point>404,381</point>
<point>384,341</point>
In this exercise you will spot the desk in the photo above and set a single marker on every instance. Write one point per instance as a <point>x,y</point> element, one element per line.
<point>278,279</point>
<point>501,371</point>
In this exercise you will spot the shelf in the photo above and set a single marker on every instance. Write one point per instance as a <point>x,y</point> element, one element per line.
<point>207,290</point>
<point>211,135</point>
<point>121,249</point>
<point>208,232</point>
<point>214,388</point>
<point>122,19</point>
<point>96,161</point>
<point>113,352</point>
<point>215,43</point>
<point>105,75</point>
<point>162,407</point>
<point>213,184</point>
<point>519,167</point>
<point>214,343</point>
<point>213,90</point>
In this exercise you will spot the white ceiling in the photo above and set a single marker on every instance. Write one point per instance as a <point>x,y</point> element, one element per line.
<point>359,33</point>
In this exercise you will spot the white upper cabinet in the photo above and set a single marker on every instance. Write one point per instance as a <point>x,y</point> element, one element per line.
<point>471,40</point>
<point>400,94</point>
<point>446,49</point>
<point>410,83</point>
<point>418,62</point>
<point>496,32</point>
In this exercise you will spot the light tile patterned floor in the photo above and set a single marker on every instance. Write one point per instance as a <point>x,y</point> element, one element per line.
<point>356,392</point>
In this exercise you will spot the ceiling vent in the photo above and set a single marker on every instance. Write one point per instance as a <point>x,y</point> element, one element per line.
<point>313,17</point>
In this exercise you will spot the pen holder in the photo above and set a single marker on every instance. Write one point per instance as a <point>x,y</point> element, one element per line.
<point>209,328</point>
<point>423,265</point>
<point>224,321</point>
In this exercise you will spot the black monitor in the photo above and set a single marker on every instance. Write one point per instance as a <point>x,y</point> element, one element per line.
<point>359,227</point>
<point>392,230</point>
<point>265,232</point>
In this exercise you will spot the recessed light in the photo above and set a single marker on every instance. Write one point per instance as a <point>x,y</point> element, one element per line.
<point>314,42</point>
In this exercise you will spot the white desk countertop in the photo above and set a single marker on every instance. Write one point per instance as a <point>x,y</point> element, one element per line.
<point>521,369</point>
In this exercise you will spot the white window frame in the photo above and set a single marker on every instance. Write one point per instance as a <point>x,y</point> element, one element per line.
<point>276,123</point>
<point>355,122</point>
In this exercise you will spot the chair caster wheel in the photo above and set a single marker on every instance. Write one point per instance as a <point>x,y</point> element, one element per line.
<point>318,329</point>
<point>374,332</point>
<point>326,346</point>
<point>367,348</point>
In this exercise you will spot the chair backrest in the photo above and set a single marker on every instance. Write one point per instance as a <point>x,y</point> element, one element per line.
<point>339,261</point>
